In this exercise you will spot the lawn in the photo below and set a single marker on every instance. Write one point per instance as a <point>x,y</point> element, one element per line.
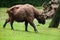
<point>44,33</point>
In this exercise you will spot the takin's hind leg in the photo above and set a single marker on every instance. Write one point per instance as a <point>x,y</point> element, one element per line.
<point>11,23</point>
<point>7,20</point>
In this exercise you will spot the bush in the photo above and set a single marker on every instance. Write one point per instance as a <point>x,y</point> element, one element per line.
<point>9,3</point>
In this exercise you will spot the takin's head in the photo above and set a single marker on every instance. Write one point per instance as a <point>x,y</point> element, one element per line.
<point>41,19</point>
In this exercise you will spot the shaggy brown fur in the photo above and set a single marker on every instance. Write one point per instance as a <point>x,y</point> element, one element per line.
<point>24,13</point>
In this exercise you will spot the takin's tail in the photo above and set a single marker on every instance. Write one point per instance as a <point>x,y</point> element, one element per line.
<point>10,13</point>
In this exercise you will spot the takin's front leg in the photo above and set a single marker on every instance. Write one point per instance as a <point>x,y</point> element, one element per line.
<point>33,25</point>
<point>30,20</point>
<point>7,20</point>
<point>26,25</point>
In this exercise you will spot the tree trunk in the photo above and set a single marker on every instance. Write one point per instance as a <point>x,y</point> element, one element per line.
<point>56,18</point>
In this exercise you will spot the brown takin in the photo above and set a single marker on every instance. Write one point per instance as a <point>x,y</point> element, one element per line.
<point>24,13</point>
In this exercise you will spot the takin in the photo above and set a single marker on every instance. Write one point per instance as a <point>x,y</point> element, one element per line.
<point>24,13</point>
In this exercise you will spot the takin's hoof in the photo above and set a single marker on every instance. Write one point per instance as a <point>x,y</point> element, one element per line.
<point>12,29</point>
<point>36,31</point>
<point>3,27</point>
<point>26,30</point>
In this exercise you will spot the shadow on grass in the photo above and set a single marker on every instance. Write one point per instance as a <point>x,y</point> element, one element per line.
<point>32,32</point>
<point>38,33</point>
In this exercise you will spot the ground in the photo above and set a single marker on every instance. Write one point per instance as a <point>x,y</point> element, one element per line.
<point>44,33</point>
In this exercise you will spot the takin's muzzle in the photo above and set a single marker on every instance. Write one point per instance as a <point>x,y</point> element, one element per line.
<point>41,19</point>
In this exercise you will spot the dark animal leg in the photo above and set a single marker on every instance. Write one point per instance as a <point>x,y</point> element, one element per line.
<point>26,25</point>
<point>33,25</point>
<point>7,20</point>
<point>11,23</point>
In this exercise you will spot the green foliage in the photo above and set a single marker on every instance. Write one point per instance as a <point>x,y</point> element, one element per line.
<point>9,3</point>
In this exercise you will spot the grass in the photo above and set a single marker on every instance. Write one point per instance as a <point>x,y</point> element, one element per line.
<point>44,33</point>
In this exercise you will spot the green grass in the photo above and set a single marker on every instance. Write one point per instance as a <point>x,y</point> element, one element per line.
<point>44,33</point>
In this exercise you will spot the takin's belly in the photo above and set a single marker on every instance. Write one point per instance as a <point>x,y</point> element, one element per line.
<point>19,19</point>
